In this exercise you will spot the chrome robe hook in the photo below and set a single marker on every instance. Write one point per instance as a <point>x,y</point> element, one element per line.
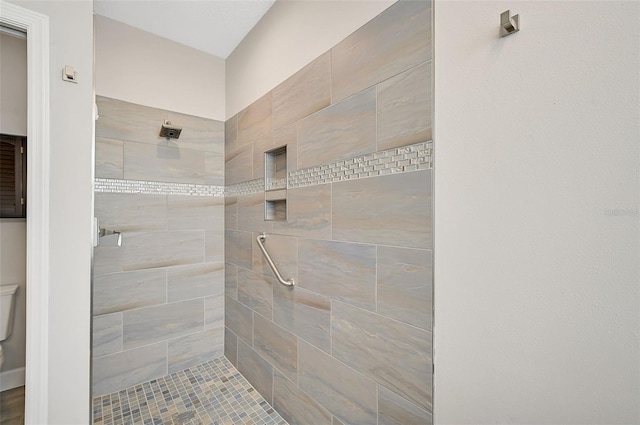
<point>509,24</point>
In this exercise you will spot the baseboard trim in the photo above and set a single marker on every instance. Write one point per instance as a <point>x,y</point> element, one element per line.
<point>11,379</point>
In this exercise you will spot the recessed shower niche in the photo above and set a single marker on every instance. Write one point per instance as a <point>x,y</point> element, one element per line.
<point>275,184</point>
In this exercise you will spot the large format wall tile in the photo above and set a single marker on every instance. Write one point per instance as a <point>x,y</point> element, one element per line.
<point>204,135</point>
<point>404,285</point>
<point>121,370</point>
<point>260,146</point>
<point>251,213</point>
<point>231,280</point>
<point>109,158</point>
<point>394,354</point>
<point>162,249</point>
<point>127,121</point>
<point>304,93</point>
<point>107,334</point>
<point>152,324</point>
<point>163,162</point>
<point>394,410</point>
<point>137,123</point>
<point>343,130</point>
<point>295,406</point>
<point>195,281</point>
<point>231,346</point>
<point>255,291</point>
<point>131,212</point>
<point>128,145</point>
<point>125,291</point>
<point>239,165</point>
<point>394,41</point>
<point>239,319</point>
<point>191,350</point>
<point>214,168</point>
<point>231,212</point>
<point>214,312</point>
<point>288,136</point>
<point>214,245</point>
<point>388,210</point>
<point>254,121</point>
<point>309,212</point>
<point>201,134</point>
<point>256,369</point>
<point>107,259</point>
<point>345,271</point>
<point>303,313</point>
<point>404,108</point>
<point>230,136</point>
<point>237,248</point>
<point>195,212</point>
<point>277,346</point>
<point>343,391</point>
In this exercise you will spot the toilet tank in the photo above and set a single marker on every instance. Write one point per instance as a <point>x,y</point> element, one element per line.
<point>7,295</point>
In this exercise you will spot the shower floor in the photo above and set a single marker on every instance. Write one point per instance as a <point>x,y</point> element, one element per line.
<point>210,393</point>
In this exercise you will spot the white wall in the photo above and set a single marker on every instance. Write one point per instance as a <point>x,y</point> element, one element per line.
<point>71,43</point>
<point>13,231</point>
<point>13,82</point>
<point>149,70</point>
<point>536,211</point>
<point>289,36</point>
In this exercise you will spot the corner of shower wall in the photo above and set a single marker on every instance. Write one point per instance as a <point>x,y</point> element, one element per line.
<point>158,303</point>
<point>352,341</point>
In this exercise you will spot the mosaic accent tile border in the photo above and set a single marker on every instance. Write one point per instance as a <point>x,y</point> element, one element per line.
<point>210,393</point>
<point>245,188</point>
<point>156,188</point>
<point>275,184</point>
<point>414,157</point>
<point>398,160</point>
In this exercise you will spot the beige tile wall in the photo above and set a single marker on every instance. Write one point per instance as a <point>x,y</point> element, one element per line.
<point>351,343</point>
<point>158,301</point>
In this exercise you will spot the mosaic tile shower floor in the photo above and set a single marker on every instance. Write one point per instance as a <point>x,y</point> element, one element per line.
<point>210,393</point>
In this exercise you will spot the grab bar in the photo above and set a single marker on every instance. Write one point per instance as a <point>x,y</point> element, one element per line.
<point>260,239</point>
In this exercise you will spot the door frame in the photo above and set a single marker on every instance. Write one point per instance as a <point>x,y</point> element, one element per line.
<point>36,26</point>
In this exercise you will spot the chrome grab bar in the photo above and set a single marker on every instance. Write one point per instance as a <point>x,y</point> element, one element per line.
<point>260,239</point>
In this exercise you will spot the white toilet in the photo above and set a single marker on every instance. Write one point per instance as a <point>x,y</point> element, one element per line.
<point>7,295</point>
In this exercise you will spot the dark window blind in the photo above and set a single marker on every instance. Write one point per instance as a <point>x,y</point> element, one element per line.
<point>13,171</point>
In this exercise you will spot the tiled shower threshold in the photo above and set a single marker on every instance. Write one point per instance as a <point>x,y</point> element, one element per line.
<point>210,393</point>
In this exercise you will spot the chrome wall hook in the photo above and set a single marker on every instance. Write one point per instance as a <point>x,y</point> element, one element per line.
<point>509,24</point>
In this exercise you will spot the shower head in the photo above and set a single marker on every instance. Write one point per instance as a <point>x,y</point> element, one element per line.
<point>170,131</point>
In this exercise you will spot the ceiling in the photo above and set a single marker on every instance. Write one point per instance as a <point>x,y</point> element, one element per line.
<point>212,26</point>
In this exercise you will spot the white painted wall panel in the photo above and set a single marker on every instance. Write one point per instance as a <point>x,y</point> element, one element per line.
<point>536,213</point>
<point>149,70</point>
<point>71,176</point>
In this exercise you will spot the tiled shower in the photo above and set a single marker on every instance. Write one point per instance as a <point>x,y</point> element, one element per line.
<point>158,299</point>
<point>351,342</point>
